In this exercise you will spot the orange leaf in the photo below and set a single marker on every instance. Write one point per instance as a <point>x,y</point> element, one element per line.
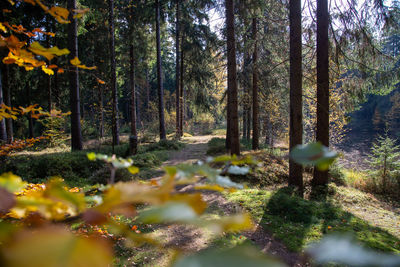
<point>60,70</point>
<point>100,81</point>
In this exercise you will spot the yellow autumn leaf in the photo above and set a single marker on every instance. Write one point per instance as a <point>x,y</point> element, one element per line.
<point>28,109</point>
<point>48,53</point>
<point>60,11</point>
<point>210,187</point>
<point>48,71</point>
<point>75,61</point>
<point>2,27</point>
<point>86,67</point>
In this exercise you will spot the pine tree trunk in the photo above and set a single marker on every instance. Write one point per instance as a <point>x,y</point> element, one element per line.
<point>296,109</point>
<point>3,133</point>
<point>182,95</point>
<point>322,135</point>
<point>133,138</point>
<point>256,130</point>
<point>76,133</point>
<point>56,87</point>
<point>7,101</point>
<point>30,119</point>
<point>232,81</point>
<point>160,85</point>
<point>101,100</point>
<point>115,116</point>
<point>49,103</point>
<point>177,74</point>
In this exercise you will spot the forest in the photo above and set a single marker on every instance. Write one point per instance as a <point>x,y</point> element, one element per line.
<point>199,133</point>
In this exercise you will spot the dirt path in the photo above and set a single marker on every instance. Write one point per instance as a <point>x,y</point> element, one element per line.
<point>191,239</point>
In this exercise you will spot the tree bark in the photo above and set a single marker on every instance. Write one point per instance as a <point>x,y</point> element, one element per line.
<point>3,133</point>
<point>322,135</point>
<point>7,100</point>
<point>177,74</point>
<point>160,86</point>
<point>115,128</point>
<point>256,130</point>
<point>49,97</point>
<point>232,81</point>
<point>76,133</point>
<point>296,77</point>
<point>182,95</point>
<point>133,138</point>
<point>101,100</point>
<point>30,119</point>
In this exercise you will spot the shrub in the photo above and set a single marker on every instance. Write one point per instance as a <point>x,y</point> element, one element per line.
<point>164,145</point>
<point>216,146</point>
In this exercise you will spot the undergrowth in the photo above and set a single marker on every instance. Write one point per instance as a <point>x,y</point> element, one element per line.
<point>77,170</point>
<point>298,222</point>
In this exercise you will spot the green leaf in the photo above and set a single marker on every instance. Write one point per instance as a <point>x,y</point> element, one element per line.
<point>169,212</point>
<point>11,182</point>
<point>226,182</point>
<point>236,257</point>
<point>238,170</point>
<point>133,169</point>
<point>314,154</point>
<point>91,156</point>
<point>343,250</point>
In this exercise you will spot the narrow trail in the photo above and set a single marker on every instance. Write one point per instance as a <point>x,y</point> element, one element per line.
<point>191,239</point>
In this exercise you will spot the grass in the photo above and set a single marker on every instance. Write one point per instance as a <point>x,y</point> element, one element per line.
<point>298,222</point>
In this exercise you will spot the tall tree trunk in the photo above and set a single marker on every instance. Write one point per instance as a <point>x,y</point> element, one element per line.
<point>322,135</point>
<point>49,103</point>
<point>147,90</point>
<point>101,100</point>
<point>115,128</point>
<point>76,133</point>
<point>3,133</point>
<point>247,92</point>
<point>232,81</point>
<point>56,88</point>
<point>133,138</point>
<point>256,130</point>
<point>160,86</point>
<point>296,76</point>
<point>30,119</point>
<point>177,73</point>
<point>7,101</point>
<point>182,92</point>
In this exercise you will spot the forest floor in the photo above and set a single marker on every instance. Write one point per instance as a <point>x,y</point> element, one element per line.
<point>374,221</point>
<point>191,239</point>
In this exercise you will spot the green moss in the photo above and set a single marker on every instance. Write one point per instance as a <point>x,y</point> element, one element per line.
<point>298,222</point>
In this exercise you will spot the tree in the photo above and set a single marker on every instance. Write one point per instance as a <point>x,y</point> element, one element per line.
<point>115,128</point>
<point>76,133</point>
<point>3,133</point>
<point>160,87</point>
<point>177,74</point>
<point>233,118</point>
<point>384,158</point>
<point>256,130</point>
<point>133,138</point>
<point>322,134</point>
<point>296,108</point>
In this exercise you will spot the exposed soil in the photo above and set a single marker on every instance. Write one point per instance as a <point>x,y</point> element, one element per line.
<point>191,239</point>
